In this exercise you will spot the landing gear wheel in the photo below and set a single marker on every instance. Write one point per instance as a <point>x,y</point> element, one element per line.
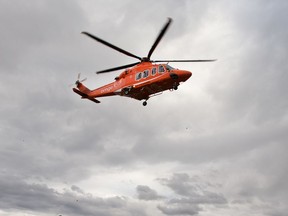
<point>175,87</point>
<point>144,103</point>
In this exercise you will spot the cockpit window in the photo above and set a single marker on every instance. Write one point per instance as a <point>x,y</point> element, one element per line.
<point>168,67</point>
<point>161,69</point>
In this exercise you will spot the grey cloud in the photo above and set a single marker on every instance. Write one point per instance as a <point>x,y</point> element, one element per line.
<point>257,84</point>
<point>179,183</point>
<point>193,189</point>
<point>193,192</point>
<point>226,143</point>
<point>31,30</point>
<point>179,210</point>
<point>205,198</point>
<point>77,189</point>
<point>146,193</point>
<point>17,195</point>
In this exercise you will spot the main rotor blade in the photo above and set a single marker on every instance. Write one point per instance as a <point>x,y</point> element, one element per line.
<point>117,68</point>
<point>161,34</point>
<point>111,45</point>
<point>206,60</point>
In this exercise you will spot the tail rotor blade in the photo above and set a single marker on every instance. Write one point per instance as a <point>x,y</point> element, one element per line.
<point>78,80</point>
<point>83,80</point>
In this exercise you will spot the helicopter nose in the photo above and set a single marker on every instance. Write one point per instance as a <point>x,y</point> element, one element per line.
<point>185,75</point>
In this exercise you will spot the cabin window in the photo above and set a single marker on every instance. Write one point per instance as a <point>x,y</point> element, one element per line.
<point>145,73</point>
<point>161,69</point>
<point>154,70</point>
<point>138,75</point>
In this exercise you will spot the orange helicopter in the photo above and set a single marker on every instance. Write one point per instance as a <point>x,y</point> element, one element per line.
<point>140,80</point>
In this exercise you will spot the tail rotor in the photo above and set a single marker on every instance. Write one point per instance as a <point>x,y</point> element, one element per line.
<point>78,81</point>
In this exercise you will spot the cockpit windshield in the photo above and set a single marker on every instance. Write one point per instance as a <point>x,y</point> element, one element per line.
<point>168,67</point>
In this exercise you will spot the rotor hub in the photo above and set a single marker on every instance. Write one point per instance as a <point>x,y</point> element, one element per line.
<point>145,59</point>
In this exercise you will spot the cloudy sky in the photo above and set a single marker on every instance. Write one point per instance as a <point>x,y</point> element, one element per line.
<point>216,146</point>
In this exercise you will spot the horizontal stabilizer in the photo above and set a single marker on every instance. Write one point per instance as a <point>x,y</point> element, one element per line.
<point>94,100</point>
<point>85,96</point>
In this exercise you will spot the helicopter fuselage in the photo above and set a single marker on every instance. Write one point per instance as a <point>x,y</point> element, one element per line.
<point>140,82</point>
